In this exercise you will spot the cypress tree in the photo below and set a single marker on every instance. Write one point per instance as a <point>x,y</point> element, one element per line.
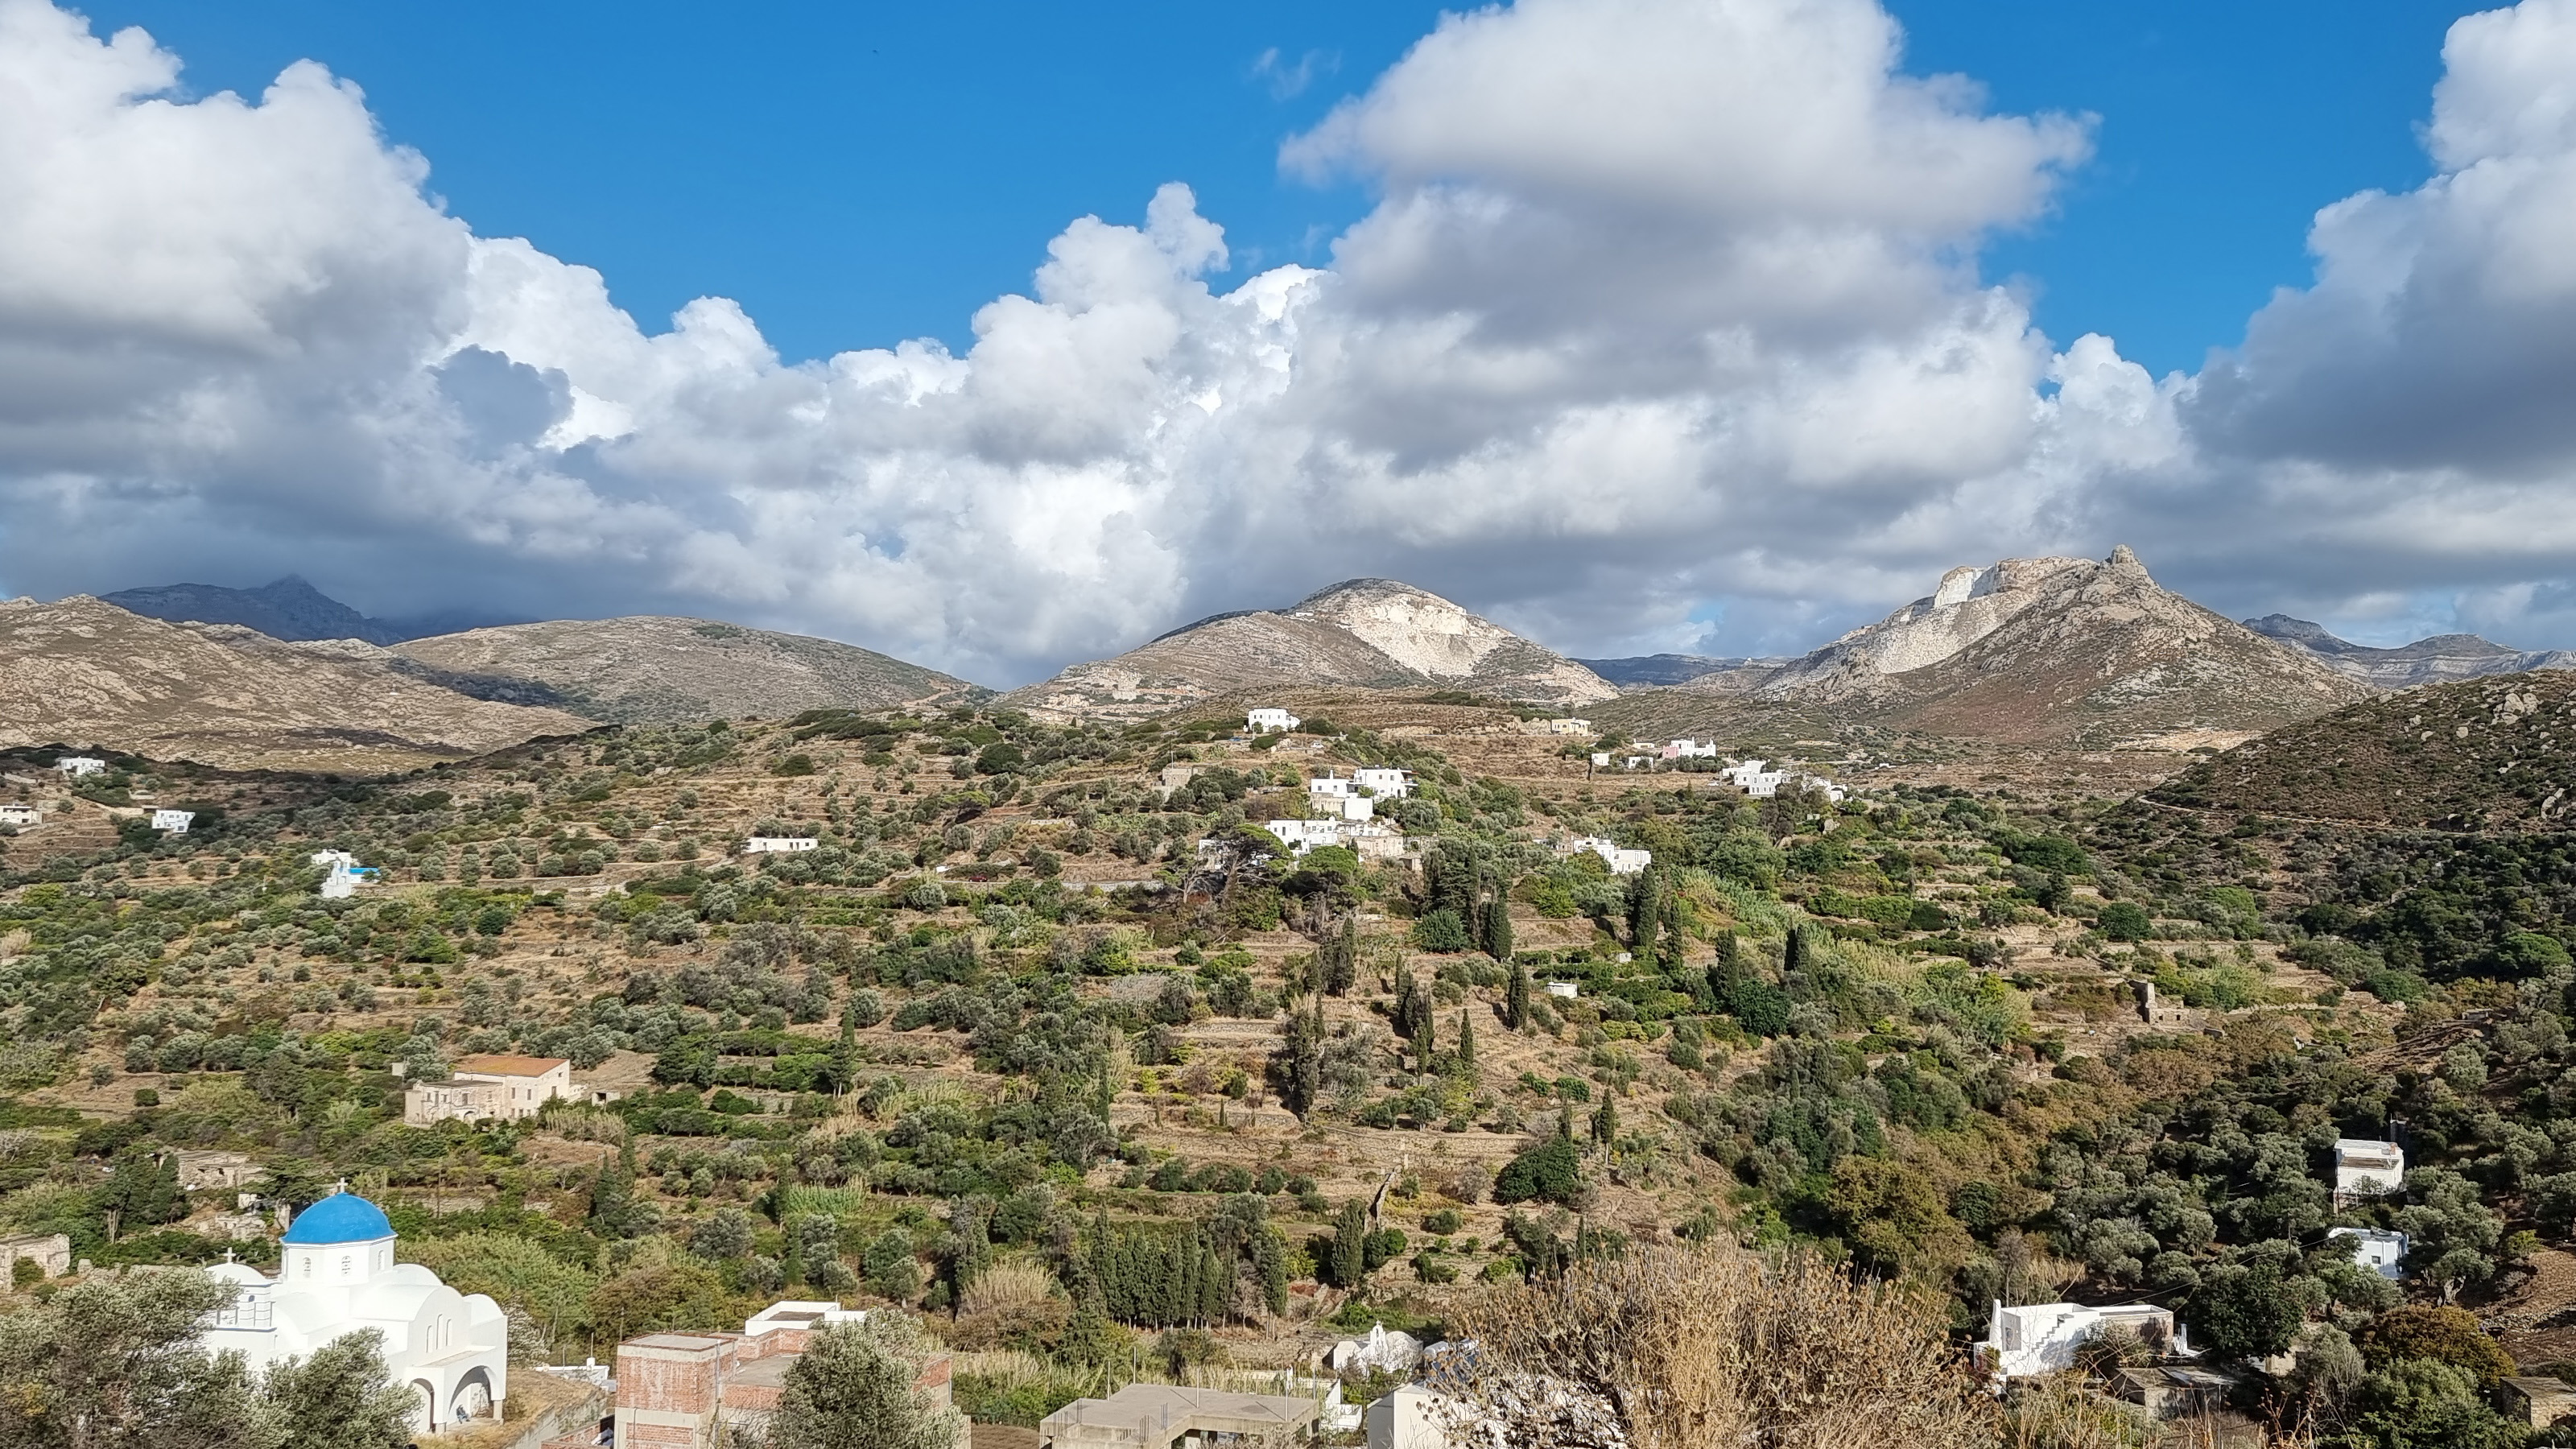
<point>1497,935</point>
<point>1793,952</point>
<point>1670,956</point>
<point>1516,999</point>
<point>1466,1039</point>
<point>1643,915</point>
<point>1337,964</point>
<point>1349,1259</point>
<point>1605,1122</point>
<point>1426,1033</point>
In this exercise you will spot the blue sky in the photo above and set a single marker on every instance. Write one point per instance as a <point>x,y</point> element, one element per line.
<point>1635,325</point>
<point>856,174</point>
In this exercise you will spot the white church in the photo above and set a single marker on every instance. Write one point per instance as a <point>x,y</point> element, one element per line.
<point>339,1277</point>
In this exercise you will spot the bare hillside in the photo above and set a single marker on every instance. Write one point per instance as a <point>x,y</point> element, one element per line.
<point>84,672</point>
<point>648,668</point>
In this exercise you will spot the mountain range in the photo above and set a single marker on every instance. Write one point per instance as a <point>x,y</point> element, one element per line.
<point>2039,651</point>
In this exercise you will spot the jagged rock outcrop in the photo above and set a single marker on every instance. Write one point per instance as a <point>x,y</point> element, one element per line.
<point>2440,659</point>
<point>1363,633</point>
<point>82,671</point>
<point>650,668</point>
<point>2056,651</point>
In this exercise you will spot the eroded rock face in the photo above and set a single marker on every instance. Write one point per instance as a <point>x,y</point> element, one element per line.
<point>1363,633</point>
<point>2441,659</point>
<point>2056,650</point>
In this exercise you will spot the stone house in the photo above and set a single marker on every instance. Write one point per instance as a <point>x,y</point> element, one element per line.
<point>2536,1400</point>
<point>2173,1391</point>
<point>50,1251</point>
<point>201,1171</point>
<point>493,1086</point>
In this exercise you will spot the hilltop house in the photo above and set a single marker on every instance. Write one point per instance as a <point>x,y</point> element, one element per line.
<point>699,1390</point>
<point>1264,720</point>
<point>172,822</point>
<point>450,1349</point>
<point>779,844</point>
<point>79,765</point>
<point>1385,782</point>
<point>2041,1338</point>
<point>2366,1169</point>
<point>490,1087</point>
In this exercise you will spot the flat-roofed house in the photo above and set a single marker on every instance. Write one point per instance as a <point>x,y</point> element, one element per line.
<point>2365,1168</point>
<point>1160,1416</point>
<point>703,1390</point>
<point>2041,1338</point>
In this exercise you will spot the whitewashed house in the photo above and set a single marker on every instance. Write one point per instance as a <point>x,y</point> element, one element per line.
<point>19,813</point>
<point>79,765</point>
<point>1383,781</point>
<point>1691,750</point>
<point>1566,990</point>
<point>1332,786</point>
<point>1266,719</point>
<point>450,1350</point>
<point>1381,1351</point>
<point>2381,1250</point>
<point>2367,1169</point>
<point>346,875</point>
<point>172,822</point>
<point>2041,1338</point>
<point>1755,778</point>
<point>1301,836</point>
<point>1621,861</point>
<point>779,844</point>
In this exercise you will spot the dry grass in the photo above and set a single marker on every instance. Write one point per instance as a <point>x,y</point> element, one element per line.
<point>1708,1346</point>
<point>1008,1288</point>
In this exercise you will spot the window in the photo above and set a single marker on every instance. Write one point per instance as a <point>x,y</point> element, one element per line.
<point>347,1262</point>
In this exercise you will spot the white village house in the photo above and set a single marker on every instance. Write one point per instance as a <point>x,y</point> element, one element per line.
<point>78,765</point>
<point>346,875</point>
<point>1621,860</point>
<point>1266,719</point>
<point>1690,750</point>
<point>2367,1169</point>
<point>450,1350</point>
<point>2381,1250</point>
<point>20,813</point>
<point>2041,1338</point>
<point>779,844</point>
<point>172,822</point>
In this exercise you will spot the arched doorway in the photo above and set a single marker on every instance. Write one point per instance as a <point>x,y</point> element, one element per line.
<point>424,1406</point>
<point>473,1398</point>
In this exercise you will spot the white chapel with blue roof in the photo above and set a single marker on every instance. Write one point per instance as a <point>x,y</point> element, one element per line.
<point>339,1277</point>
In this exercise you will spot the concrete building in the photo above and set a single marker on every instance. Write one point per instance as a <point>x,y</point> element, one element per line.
<point>779,844</point>
<point>1161,1416</point>
<point>490,1087</point>
<point>2041,1338</point>
<point>1264,720</point>
<point>694,1390</point>
<point>76,766</point>
<point>18,813</point>
<point>339,1277</point>
<point>1564,990</point>
<point>2381,1250</point>
<point>1414,1416</point>
<point>172,822</point>
<point>49,1251</point>
<point>1556,726</point>
<point>2366,1169</point>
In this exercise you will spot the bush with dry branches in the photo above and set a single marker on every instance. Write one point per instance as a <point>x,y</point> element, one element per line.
<point>1686,1348</point>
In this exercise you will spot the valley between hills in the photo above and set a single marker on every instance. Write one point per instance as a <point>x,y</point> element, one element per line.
<point>2125,916</point>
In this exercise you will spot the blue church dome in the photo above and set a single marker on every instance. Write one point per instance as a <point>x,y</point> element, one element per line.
<point>343,1217</point>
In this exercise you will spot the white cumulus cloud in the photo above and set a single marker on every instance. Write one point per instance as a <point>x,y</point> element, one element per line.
<point>1668,313</point>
